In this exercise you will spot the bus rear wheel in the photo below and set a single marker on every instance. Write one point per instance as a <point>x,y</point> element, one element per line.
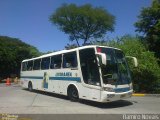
<point>30,88</point>
<point>73,94</point>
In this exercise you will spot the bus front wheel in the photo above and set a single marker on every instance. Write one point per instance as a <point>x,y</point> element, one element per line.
<point>30,88</point>
<point>73,94</point>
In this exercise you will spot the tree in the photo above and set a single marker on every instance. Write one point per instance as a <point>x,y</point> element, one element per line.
<point>70,46</point>
<point>149,24</point>
<point>146,77</point>
<point>83,22</point>
<point>12,52</point>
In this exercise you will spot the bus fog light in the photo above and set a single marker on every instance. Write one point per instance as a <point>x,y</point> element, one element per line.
<point>110,95</point>
<point>130,93</point>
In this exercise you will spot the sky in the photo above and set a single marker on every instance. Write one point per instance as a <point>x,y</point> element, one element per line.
<point>28,20</point>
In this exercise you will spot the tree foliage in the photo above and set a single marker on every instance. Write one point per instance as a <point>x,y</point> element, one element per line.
<point>70,46</point>
<point>12,52</point>
<point>146,77</point>
<point>83,22</point>
<point>149,24</point>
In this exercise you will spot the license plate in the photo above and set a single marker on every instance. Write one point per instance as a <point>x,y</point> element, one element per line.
<point>122,96</point>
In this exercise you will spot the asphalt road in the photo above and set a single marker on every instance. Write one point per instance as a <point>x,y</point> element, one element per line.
<point>15,100</point>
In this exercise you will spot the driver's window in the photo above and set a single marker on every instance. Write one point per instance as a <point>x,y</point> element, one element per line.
<point>110,71</point>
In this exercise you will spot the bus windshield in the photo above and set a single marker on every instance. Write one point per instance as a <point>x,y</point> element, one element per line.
<point>116,72</point>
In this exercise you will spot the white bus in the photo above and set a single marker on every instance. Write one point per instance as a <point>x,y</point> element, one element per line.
<point>96,73</point>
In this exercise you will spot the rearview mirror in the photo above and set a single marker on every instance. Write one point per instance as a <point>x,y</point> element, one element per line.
<point>102,58</point>
<point>134,60</point>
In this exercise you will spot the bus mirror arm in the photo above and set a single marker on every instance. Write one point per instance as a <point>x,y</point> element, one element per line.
<point>134,60</point>
<point>101,59</point>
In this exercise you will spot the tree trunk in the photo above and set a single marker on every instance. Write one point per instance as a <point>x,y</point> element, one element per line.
<point>85,41</point>
<point>77,43</point>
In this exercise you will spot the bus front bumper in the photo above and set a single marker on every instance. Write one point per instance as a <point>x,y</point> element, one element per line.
<point>112,96</point>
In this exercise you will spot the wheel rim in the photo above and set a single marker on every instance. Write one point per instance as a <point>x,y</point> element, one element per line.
<point>73,94</point>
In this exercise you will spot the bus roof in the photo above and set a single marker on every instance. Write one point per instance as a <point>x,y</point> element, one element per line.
<point>65,51</point>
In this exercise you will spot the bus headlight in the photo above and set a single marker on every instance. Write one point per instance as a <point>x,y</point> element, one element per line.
<point>109,89</point>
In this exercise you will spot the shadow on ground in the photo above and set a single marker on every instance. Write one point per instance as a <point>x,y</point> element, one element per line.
<point>49,94</point>
<point>115,104</point>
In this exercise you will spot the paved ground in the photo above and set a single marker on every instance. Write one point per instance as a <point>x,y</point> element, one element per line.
<point>15,100</point>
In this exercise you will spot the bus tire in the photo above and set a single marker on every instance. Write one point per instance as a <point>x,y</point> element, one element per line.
<point>73,93</point>
<point>30,87</point>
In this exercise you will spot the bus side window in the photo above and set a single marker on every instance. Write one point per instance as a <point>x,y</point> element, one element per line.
<point>70,60</point>
<point>45,63</point>
<point>30,65</point>
<point>56,62</point>
<point>36,64</point>
<point>24,66</point>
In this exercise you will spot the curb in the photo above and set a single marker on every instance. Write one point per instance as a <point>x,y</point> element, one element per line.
<point>147,95</point>
<point>140,95</point>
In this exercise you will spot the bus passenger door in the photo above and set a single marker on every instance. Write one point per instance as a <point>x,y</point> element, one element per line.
<point>90,73</point>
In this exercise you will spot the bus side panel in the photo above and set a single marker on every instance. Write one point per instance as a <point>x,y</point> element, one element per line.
<point>53,84</point>
<point>60,86</point>
<point>89,92</point>
<point>35,77</point>
<point>66,77</point>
